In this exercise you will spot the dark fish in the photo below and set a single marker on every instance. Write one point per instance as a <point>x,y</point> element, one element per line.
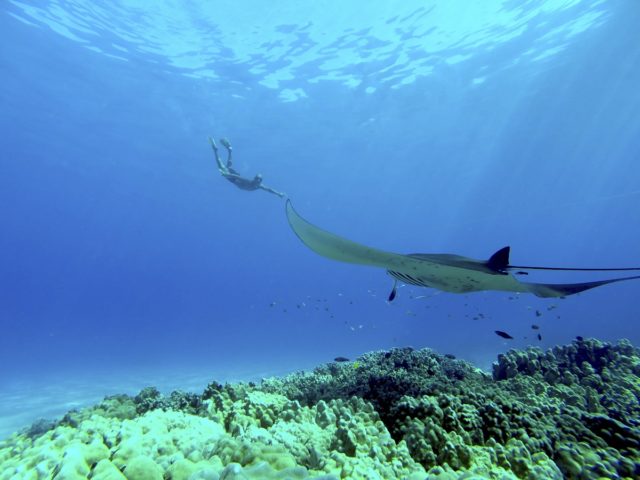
<point>450,356</point>
<point>539,337</point>
<point>394,292</point>
<point>535,327</point>
<point>538,314</point>
<point>579,338</point>
<point>341,359</point>
<point>502,334</point>
<point>522,273</point>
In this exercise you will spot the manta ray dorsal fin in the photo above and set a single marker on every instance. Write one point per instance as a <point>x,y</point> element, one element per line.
<point>499,261</point>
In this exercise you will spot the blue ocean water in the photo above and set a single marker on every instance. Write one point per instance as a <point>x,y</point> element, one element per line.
<point>416,126</point>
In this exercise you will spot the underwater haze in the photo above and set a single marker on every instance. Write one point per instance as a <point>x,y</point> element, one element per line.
<point>416,126</point>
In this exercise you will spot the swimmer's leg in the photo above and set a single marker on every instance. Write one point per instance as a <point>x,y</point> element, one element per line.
<point>221,166</point>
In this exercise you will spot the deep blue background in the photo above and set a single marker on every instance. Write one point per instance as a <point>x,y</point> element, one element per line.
<point>122,247</point>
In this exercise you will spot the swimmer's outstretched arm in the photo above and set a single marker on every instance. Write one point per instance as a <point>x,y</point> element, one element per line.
<point>271,190</point>
<point>221,166</point>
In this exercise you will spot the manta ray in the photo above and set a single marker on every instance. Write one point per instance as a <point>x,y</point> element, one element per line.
<point>442,271</point>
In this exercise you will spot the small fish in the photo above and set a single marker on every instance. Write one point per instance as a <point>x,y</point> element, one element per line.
<point>393,294</point>
<point>535,327</point>
<point>502,334</point>
<point>538,314</point>
<point>341,359</point>
<point>579,338</point>
<point>522,273</point>
<point>540,337</point>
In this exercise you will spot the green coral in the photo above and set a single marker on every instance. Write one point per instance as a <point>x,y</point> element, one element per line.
<point>571,412</point>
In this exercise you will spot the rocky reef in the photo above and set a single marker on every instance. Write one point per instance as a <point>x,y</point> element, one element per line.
<point>570,412</point>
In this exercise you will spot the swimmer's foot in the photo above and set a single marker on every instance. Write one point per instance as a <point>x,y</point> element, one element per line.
<point>226,143</point>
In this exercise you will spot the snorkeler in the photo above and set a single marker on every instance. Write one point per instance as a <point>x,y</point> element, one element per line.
<point>233,176</point>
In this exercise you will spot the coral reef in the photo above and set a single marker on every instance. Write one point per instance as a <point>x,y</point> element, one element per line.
<point>571,412</point>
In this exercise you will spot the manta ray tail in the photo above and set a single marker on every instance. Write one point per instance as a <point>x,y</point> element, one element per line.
<point>569,269</point>
<point>565,289</point>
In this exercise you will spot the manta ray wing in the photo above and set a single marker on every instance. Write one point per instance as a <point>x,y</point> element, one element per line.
<point>337,248</point>
<point>450,273</point>
<point>565,289</point>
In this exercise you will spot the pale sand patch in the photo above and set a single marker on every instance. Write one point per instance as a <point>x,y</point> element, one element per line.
<point>27,399</point>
